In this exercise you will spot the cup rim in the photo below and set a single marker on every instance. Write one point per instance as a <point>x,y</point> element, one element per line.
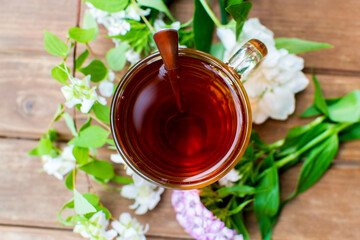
<point>234,77</point>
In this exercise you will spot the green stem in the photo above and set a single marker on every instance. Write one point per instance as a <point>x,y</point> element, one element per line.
<point>335,129</point>
<point>210,13</point>
<point>137,9</point>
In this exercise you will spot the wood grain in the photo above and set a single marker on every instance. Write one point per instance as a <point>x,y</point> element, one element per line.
<point>328,210</point>
<point>31,97</point>
<point>320,213</point>
<point>30,198</point>
<point>28,233</point>
<point>319,20</point>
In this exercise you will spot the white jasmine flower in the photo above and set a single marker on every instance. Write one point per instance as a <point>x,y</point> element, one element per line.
<point>79,92</point>
<point>131,12</point>
<point>116,158</point>
<point>272,85</point>
<point>229,179</point>
<point>145,194</point>
<point>95,228</point>
<point>159,24</point>
<point>129,228</point>
<point>116,23</point>
<point>106,87</point>
<point>132,56</point>
<point>60,165</point>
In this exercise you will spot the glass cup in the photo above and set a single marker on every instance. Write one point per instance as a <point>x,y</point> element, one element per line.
<point>191,147</point>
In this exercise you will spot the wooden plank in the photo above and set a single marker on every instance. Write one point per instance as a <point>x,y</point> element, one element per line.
<point>313,20</point>
<point>28,233</point>
<point>31,97</point>
<point>329,210</point>
<point>21,233</point>
<point>30,198</point>
<point>317,20</point>
<point>320,213</point>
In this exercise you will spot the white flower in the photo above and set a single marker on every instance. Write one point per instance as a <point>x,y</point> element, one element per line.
<point>132,56</point>
<point>129,228</point>
<point>272,85</point>
<point>159,24</point>
<point>106,87</point>
<point>145,194</point>
<point>95,228</point>
<point>229,179</point>
<point>131,12</point>
<point>116,22</point>
<point>60,165</point>
<point>79,92</point>
<point>116,158</point>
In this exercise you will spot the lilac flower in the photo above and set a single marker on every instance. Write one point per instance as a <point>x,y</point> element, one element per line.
<point>198,221</point>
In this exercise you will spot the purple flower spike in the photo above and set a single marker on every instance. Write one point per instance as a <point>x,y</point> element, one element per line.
<point>197,220</point>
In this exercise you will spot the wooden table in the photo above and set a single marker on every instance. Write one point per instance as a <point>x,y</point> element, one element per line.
<point>29,200</point>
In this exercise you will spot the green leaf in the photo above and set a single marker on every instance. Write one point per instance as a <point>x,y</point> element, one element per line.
<point>317,163</point>
<point>105,211</point>
<point>237,221</point>
<point>319,100</point>
<point>90,22</point>
<point>86,125</point>
<point>295,45</point>
<point>223,13</point>
<point>92,199</point>
<point>96,69</point>
<point>82,205</point>
<point>91,137</point>
<point>239,12</point>
<point>60,73</point>
<point>258,143</point>
<point>347,109</point>
<point>69,205</point>
<point>350,133</point>
<point>238,189</point>
<point>44,147</point>
<point>100,169</point>
<point>59,112</point>
<point>110,6</point>
<point>217,50</point>
<point>122,180</point>
<point>312,110</point>
<point>203,27</point>
<point>298,137</point>
<point>266,203</point>
<point>54,45</point>
<point>69,180</point>
<point>81,155</point>
<point>81,35</point>
<point>70,124</point>
<point>102,112</point>
<point>116,57</point>
<point>158,5</point>
<point>81,58</point>
<point>240,207</point>
<point>138,38</point>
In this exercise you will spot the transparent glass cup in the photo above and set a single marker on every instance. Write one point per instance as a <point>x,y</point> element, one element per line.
<point>141,155</point>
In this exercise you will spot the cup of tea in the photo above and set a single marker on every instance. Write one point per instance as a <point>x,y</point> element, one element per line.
<point>189,134</point>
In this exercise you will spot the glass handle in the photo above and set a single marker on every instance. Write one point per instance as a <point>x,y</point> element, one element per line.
<point>247,57</point>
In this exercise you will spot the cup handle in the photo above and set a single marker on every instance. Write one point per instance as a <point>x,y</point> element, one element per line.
<point>247,57</point>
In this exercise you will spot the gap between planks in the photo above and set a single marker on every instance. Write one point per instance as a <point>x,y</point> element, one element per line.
<point>20,228</point>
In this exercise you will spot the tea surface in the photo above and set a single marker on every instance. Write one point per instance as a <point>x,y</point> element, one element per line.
<point>184,142</point>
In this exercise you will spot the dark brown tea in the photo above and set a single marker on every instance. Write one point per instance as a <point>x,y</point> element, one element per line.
<point>182,130</point>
